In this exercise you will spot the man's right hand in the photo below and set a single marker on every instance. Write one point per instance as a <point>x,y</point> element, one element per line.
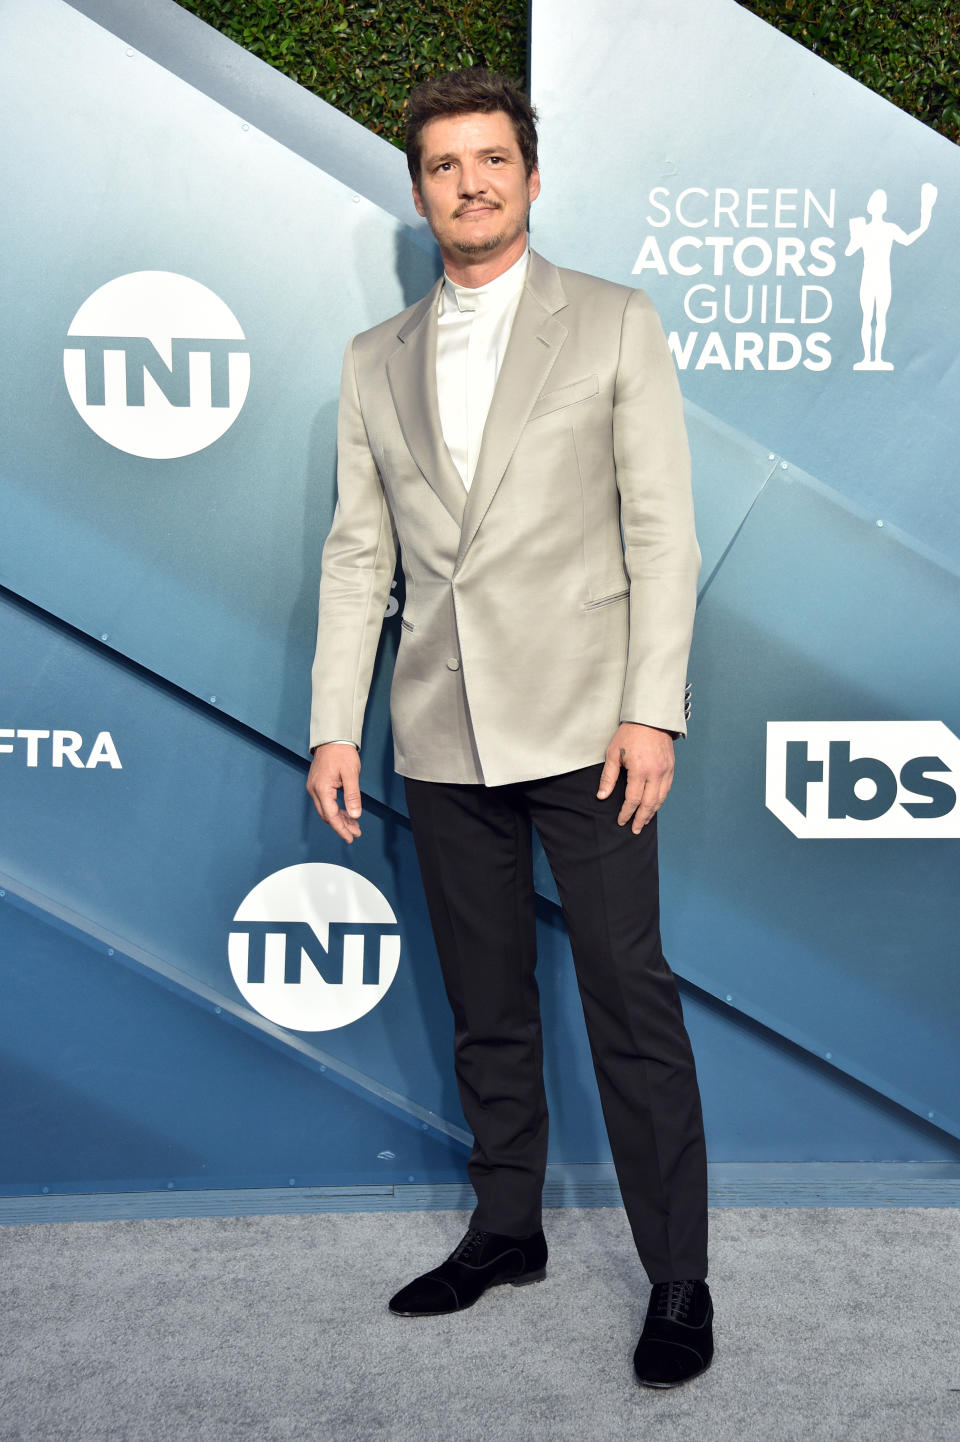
<point>337,765</point>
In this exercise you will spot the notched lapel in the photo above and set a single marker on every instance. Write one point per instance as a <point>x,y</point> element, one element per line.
<point>412,374</point>
<point>532,351</point>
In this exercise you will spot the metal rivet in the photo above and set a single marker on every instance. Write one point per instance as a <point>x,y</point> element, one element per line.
<point>218,1010</point>
<point>930,1116</point>
<point>424,1127</point>
<point>828,1055</point>
<point>131,52</point>
<point>104,636</point>
<point>244,126</point>
<point>879,523</point>
<point>409,1179</point>
<point>213,700</point>
<point>783,465</point>
<point>322,1067</point>
<point>3,893</point>
<point>729,996</point>
<point>293,1181</point>
<point>771,456</point>
<point>110,951</point>
<point>45,1190</point>
<point>356,200</point>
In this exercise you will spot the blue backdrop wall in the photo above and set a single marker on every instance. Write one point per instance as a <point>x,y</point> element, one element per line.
<point>194,239</point>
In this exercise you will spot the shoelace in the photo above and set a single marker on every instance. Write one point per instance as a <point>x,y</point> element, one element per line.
<point>671,1300</point>
<point>472,1242</point>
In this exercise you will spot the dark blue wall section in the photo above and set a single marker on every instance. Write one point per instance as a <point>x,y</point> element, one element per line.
<point>110,1079</point>
<point>131,1058</point>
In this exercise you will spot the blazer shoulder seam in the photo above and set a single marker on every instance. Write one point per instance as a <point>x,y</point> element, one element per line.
<point>583,279</point>
<point>390,328</point>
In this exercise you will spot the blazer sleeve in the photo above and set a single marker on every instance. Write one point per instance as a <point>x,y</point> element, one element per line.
<point>662,557</point>
<point>358,563</point>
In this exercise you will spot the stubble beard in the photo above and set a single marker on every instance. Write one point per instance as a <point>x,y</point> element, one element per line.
<point>493,242</point>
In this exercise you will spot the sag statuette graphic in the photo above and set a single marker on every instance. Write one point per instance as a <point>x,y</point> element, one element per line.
<point>156,364</point>
<point>314,947</point>
<point>875,238</point>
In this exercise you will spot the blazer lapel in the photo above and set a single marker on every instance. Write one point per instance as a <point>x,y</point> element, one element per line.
<point>532,350</point>
<point>412,373</point>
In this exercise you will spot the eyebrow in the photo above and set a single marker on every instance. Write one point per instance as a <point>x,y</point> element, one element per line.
<point>432,160</point>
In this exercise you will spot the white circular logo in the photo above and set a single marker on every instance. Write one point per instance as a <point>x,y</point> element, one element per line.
<point>314,947</point>
<point>156,364</point>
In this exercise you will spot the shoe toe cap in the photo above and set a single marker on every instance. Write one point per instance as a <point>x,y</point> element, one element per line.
<point>426,1295</point>
<point>659,1363</point>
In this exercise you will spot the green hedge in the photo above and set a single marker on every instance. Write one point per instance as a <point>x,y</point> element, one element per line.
<point>906,50</point>
<point>363,58</point>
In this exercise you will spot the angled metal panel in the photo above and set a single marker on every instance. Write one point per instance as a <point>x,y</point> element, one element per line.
<point>775,146</point>
<point>202,566</point>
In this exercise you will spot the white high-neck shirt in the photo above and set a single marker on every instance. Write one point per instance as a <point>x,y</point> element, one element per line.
<point>473,327</point>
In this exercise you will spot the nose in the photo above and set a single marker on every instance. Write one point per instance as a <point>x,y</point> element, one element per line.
<point>471,180</point>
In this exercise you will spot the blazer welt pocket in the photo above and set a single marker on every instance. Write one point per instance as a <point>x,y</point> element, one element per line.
<point>580,390</point>
<point>607,600</point>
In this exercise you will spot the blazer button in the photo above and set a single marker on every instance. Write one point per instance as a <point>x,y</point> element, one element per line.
<point>453,664</point>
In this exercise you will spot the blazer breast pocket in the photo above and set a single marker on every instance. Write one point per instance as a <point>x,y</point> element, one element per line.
<point>568,395</point>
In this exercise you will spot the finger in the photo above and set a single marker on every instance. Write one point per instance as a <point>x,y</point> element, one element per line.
<point>608,776</point>
<point>346,828</point>
<point>323,793</point>
<point>351,797</point>
<point>315,794</point>
<point>326,800</point>
<point>636,790</point>
<point>653,798</point>
<point>643,814</point>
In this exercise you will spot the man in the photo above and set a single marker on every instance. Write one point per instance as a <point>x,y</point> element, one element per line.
<point>519,434</point>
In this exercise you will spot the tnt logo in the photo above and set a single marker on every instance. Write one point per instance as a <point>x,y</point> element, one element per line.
<point>314,947</point>
<point>156,364</point>
<point>863,778</point>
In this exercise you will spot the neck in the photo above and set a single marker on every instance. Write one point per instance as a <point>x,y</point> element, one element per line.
<point>474,271</point>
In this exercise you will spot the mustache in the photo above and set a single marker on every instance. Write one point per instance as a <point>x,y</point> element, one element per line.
<point>473,204</point>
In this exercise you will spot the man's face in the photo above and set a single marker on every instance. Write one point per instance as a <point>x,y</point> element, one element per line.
<point>474,191</point>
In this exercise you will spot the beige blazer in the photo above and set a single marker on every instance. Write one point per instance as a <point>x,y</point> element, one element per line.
<point>553,600</point>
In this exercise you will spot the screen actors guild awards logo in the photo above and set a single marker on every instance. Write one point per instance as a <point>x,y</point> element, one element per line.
<point>760,275</point>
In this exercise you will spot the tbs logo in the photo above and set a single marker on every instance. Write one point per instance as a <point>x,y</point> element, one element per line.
<point>863,778</point>
<point>314,947</point>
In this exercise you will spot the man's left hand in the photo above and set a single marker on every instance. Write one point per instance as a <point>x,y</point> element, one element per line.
<point>647,753</point>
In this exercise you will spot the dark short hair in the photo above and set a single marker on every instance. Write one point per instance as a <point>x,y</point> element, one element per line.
<point>461,92</point>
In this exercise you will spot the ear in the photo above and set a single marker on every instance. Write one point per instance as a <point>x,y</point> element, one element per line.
<point>418,200</point>
<point>533,184</point>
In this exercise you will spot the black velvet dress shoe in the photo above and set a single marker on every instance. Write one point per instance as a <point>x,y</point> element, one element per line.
<point>482,1260</point>
<point>677,1338</point>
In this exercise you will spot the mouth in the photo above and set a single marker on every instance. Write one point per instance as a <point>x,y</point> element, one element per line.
<point>476,210</point>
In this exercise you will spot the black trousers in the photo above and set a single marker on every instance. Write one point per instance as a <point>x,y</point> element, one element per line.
<point>475,851</point>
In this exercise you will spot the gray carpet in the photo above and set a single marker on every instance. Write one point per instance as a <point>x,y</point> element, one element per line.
<point>831,1324</point>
